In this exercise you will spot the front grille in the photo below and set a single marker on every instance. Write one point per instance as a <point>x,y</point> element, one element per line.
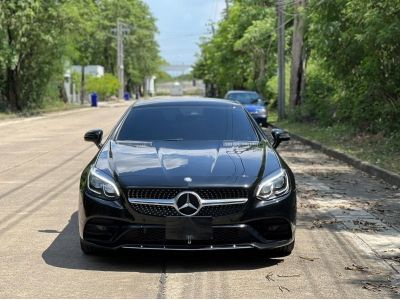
<point>204,193</point>
<point>170,211</point>
<point>220,210</point>
<point>155,210</point>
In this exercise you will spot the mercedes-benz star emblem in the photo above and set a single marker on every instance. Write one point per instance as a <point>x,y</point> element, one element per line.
<point>188,203</point>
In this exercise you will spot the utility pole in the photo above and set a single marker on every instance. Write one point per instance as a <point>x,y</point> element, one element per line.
<point>281,59</point>
<point>120,60</point>
<point>120,32</point>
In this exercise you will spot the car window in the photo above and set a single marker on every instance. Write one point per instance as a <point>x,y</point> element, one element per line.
<point>187,123</point>
<point>244,98</point>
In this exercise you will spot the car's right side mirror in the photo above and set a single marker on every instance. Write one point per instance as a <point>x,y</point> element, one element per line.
<point>279,136</point>
<point>94,136</point>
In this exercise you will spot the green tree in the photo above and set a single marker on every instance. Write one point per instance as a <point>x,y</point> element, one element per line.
<point>82,22</point>
<point>141,49</point>
<point>355,42</point>
<point>30,47</point>
<point>240,55</point>
<point>39,38</point>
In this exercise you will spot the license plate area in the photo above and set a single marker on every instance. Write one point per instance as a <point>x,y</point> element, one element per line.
<point>188,228</point>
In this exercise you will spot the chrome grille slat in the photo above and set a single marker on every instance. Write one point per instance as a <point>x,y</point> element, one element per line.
<point>204,193</point>
<point>160,202</point>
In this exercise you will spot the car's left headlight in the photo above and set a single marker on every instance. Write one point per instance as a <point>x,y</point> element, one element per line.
<point>102,185</point>
<point>274,186</point>
<point>261,110</point>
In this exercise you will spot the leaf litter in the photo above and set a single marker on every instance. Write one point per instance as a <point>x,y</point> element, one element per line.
<point>320,223</point>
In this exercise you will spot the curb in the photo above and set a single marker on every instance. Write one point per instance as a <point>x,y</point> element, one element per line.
<point>61,113</point>
<point>388,176</point>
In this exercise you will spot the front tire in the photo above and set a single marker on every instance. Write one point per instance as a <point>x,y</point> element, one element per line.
<point>88,249</point>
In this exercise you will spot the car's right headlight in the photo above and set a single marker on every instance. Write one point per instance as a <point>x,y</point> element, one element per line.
<point>273,186</point>
<point>102,185</point>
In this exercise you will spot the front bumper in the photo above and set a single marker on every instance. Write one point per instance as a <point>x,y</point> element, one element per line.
<point>260,118</point>
<point>115,225</point>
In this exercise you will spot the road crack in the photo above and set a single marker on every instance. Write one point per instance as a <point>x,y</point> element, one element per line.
<point>161,293</point>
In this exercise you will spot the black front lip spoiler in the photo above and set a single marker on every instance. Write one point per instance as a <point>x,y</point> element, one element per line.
<point>260,246</point>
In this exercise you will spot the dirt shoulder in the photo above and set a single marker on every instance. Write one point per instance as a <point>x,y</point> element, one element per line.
<point>376,149</point>
<point>347,198</point>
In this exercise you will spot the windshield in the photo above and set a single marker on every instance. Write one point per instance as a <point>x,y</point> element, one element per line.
<point>245,98</point>
<point>173,123</point>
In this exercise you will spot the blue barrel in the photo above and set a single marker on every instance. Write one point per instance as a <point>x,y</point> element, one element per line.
<point>93,98</point>
<point>127,96</point>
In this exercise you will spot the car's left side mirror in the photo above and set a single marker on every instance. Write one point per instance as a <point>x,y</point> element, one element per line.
<point>94,136</point>
<point>279,136</point>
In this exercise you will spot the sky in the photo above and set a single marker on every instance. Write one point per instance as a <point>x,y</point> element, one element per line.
<point>181,24</point>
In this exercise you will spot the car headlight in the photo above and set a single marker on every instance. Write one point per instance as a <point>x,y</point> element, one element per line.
<point>273,186</point>
<point>261,110</point>
<point>102,185</point>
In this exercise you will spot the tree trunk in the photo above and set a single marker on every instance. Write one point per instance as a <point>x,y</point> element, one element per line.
<point>304,77</point>
<point>63,93</point>
<point>12,81</point>
<point>13,91</point>
<point>261,73</point>
<point>298,55</point>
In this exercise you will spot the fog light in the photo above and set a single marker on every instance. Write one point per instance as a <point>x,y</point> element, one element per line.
<point>101,228</point>
<point>273,227</point>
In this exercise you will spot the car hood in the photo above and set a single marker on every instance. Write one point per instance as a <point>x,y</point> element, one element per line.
<point>252,108</point>
<point>168,163</point>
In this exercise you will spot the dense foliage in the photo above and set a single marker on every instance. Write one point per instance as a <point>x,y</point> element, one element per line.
<point>241,53</point>
<point>40,38</point>
<point>355,50</point>
<point>352,49</point>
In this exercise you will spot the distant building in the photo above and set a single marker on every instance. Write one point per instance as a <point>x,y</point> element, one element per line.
<point>176,89</point>
<point>150,86</point>
<point>72,94</point>
<point>97,71</point>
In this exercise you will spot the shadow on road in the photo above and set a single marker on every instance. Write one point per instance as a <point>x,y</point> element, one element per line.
<point>65,252</point>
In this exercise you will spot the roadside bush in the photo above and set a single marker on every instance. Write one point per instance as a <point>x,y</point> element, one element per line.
<point>319,104</point>
<point>356,43</point>
<point>105,86</point>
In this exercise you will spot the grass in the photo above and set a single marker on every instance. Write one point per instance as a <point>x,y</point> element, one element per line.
<point>376,149</point>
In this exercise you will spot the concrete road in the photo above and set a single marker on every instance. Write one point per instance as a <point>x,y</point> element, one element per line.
<point>345,245</point>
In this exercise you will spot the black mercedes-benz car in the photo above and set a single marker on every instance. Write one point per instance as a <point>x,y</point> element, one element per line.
<point>191,174</point>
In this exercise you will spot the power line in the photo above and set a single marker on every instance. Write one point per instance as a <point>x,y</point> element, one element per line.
<point>215,11</point>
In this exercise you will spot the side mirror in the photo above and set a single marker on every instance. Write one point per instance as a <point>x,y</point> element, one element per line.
<point>279,136</point>
<point>94,136</point>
